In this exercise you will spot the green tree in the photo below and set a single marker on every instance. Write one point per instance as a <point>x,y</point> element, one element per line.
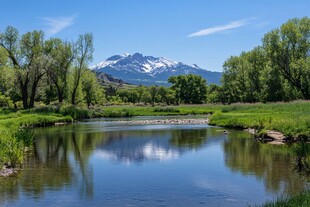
<point>141,91</point>
<point>288,50</point>
<point>93,92</point>
<point>153,90</point>
<point>215,94</point>
<point>83,55</point>
<point>189,89</point>
<point>7,74</point>
<point>27,57</point>
<point>62,56</point>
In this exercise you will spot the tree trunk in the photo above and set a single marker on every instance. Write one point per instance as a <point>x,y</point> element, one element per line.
<point>73,101</point>
<point>33,93</point>
<point>25,98</point>
<point>60,94</point>
<point>24,93</point>
<point>73,96</point>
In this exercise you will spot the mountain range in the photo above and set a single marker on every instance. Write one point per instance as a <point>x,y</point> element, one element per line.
<point>148,70</point>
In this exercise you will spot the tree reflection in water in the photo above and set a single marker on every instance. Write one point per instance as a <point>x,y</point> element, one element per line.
<point>270,163</point>
<point>50,164</point>
<point>61,157</point>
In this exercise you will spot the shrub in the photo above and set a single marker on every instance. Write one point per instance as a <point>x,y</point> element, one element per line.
<point>118,113</point>
<point>76,112</point>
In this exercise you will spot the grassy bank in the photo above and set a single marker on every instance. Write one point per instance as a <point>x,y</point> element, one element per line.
<point>16,139</point>
<point>131,110</point>
<point>292,119</point>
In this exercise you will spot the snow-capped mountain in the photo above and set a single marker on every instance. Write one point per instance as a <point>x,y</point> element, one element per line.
<point>148,70</point>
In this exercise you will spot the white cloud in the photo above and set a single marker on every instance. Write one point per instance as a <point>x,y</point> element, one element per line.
<point>57,24</point>
<point>221,28</point>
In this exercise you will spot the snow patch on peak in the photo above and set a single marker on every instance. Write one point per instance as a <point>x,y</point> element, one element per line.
<point>125,54</point>
<point>147,67</point>
<point>195,66</point>
<point>168,62</point>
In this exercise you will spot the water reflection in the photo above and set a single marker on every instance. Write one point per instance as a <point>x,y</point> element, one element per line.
<point>143,145</point>
<point>65,160</point>
<point>272,164</point>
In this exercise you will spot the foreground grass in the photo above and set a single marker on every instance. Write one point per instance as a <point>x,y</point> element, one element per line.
<point>301,200</point>
<point>15,139</point>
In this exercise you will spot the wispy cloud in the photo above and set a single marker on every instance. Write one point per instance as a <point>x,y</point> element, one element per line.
<point>56,24</point>
<point>221,28</point>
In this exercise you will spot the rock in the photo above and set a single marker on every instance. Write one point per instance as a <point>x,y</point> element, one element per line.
<point>7,172</point>
<point>251,131</point>
<point>167,121</point>
<point>273,137</point>
<point>225,132</point>
<point>278,137</point>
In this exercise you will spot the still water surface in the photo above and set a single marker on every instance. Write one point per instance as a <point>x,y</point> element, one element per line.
<point>104,163</point>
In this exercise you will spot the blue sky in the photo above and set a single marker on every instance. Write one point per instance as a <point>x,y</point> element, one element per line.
<point>204,32</point>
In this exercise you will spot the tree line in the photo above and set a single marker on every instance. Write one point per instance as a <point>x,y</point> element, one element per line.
<point>185,89</point>
<point>34,69</point>
<point>47,71</point>
<point>277,70</point>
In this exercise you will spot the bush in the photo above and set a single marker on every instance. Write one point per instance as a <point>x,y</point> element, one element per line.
<point>76,112</point>
<point>115,113</point>
<point>5,101</point>
<point>45,109</point>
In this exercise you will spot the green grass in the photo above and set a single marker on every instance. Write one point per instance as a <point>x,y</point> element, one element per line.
<point>301,200</point>
<point>292,119</point>
<point>15,139</point>
<point>157,111</point>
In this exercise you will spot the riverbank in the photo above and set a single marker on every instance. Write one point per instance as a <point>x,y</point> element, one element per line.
<point>291,119</point>
<point>288,120</point>
<point>16,140</point>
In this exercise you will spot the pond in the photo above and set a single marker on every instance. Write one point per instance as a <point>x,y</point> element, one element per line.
<point>102,162</point>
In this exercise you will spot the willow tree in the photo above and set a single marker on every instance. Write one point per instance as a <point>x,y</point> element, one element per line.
<point>27,58</point>
<point>62,56</point>
<point>288,49</point>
